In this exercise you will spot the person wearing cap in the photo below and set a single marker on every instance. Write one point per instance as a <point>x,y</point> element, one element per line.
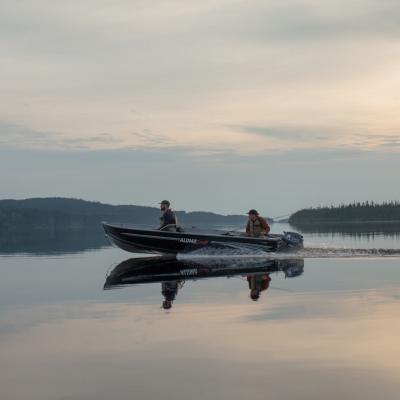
<point>168,217</point>
<point>256,225</point>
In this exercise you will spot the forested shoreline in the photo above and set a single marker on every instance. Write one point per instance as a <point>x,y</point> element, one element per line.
<point>65,213</point>
<point>356,213</point>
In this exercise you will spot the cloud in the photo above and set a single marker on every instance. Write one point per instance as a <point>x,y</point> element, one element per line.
<point>310,21</point>
<point>286,133</point>
<point>15,136</point>
<point>394,144</point>
<point>98,23</point>
<point>261,141</point>
<point>151,139</point>
<point>216,76</point>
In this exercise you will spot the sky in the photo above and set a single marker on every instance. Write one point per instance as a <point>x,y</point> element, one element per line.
<point>216,105</point>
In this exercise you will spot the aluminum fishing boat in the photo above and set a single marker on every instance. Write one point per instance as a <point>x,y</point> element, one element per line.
<point>174,239</point>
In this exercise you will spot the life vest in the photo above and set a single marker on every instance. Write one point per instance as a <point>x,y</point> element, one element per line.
<point>259,283</point>
<point>256,227</point>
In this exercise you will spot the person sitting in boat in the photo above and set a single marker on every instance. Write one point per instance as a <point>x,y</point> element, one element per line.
<point>256,225</point>
<point>257,284</point>
<point>168,217</point>
<point>169,290</point>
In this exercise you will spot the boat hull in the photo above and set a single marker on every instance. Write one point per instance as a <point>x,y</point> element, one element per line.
<point>140,240</point>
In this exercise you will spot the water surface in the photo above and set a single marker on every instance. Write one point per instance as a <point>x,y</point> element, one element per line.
<point>327,330</point>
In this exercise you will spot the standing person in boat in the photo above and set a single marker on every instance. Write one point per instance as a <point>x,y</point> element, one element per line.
<point>168,217</point>
<point>256,225</point>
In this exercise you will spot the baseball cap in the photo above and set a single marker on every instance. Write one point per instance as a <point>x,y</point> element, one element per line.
<point>252,211</point>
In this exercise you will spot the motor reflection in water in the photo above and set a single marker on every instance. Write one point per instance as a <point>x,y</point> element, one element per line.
<point>173,273</point>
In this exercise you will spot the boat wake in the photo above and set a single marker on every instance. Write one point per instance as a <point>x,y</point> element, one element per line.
<point>306,252</point>
<point>325,252</point>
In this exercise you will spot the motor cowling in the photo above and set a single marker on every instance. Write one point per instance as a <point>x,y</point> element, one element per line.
<point>292,238</point>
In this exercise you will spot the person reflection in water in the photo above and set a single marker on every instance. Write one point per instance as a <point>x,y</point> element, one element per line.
<point>257,284</point>
<point>169,290</point>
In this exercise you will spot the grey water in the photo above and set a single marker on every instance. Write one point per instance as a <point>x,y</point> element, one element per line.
<point>325,324</point>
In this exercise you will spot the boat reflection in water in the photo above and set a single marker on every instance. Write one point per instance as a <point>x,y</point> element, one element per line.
<point>173,273</point>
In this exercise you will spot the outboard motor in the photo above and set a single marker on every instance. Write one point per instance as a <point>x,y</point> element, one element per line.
<point>294,269</point>
<point>293,239</point>
<point>293,272</point>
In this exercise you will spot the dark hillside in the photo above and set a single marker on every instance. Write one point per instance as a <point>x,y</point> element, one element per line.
<point>64,213</point>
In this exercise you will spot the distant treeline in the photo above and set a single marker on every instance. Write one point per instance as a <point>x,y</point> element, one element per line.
<point>349,213</point>
<point>65,213</point>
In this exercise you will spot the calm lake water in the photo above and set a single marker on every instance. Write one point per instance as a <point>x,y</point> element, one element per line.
<point>325,325</point>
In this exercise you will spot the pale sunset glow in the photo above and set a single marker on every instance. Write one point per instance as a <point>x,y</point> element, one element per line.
<point>225,80</point>
<point>266,344</point>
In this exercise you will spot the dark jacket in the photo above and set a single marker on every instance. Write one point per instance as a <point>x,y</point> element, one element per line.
<point>167,218</point>
<point>169,290</point>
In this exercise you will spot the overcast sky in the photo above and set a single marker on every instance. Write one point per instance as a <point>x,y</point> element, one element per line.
<point>217,105</point>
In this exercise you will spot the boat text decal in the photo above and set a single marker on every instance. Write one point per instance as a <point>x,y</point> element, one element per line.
<point>188,240</point>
